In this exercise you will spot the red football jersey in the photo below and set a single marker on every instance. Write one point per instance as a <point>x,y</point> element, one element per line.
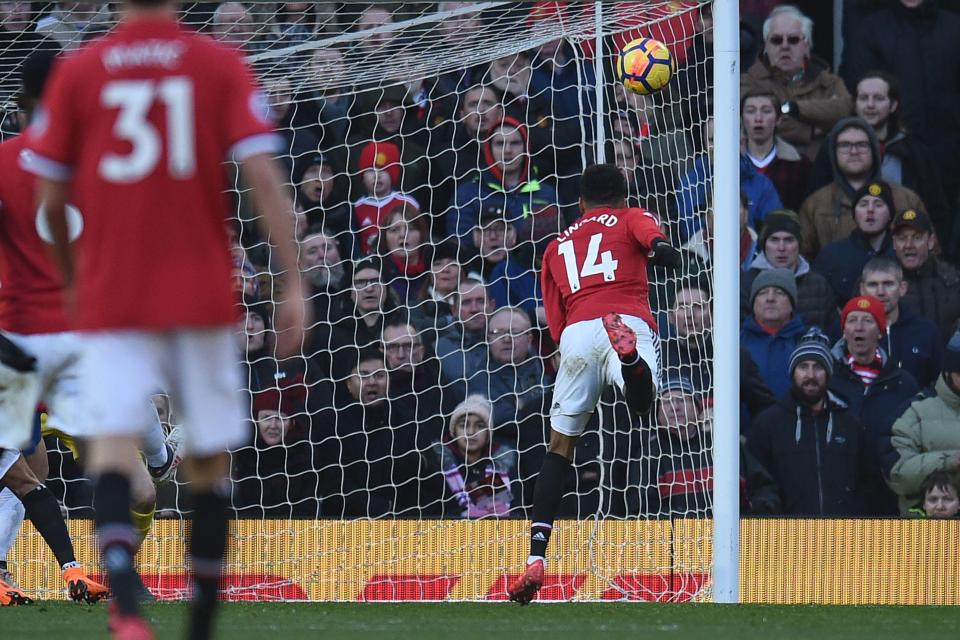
<point>370,213</point>
<point>598,265</point>
<point>31,296</point>
<point>141,122</point>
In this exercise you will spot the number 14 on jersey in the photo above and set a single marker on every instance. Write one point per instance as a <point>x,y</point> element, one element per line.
<point>594,263</point>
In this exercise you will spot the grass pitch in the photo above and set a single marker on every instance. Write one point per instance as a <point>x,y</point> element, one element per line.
<point>583,621</point>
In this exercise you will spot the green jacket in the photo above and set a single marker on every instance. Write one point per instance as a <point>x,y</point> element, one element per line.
<point>927,439</point>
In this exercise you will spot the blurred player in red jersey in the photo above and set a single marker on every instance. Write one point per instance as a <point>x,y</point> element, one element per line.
<point>136,128</point>
<point>34,326</point>
<point>595,293</point>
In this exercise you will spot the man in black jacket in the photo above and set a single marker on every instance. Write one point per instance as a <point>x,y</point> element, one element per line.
<point>809,442</point>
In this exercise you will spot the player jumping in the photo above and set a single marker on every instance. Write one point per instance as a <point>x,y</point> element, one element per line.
<point>595,292</point>
<point>137,126</point>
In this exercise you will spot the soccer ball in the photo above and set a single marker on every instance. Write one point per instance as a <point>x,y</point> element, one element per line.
<point>644,66</point>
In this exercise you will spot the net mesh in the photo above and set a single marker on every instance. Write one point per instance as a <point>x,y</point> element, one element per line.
<point>432,149</point>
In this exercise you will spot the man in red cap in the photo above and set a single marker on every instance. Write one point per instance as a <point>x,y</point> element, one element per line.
<point>876,389</point>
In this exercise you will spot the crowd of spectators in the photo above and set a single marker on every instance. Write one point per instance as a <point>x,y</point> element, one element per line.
<point>423,209</point>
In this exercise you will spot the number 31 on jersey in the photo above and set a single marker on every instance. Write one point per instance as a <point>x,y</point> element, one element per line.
<point>594,263</point>
<point>135,99</point>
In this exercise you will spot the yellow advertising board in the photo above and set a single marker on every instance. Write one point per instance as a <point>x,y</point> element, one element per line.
<point>781,561</point>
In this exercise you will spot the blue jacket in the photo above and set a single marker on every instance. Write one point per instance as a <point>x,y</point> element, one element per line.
<point>772,352</point>
<point>841,262</point>
<point>513,282</point>
<point>692,192</point>
<point>878,406</point>
<point>914,345</point>
<point>531,206</point>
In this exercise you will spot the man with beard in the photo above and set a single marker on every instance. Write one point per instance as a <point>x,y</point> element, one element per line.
<point>876,390</point>
<point>854,153</point>
<point>933,286</point>
<point>913,341</point>
<point>818,464</point>
<point>320,263</point>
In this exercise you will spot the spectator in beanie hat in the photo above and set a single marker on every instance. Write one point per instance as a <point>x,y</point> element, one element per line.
<point>841,261</point>
<point>771,331</point>
<point>876,389</point>
<point>926,438</point>
<point>478,471</point>
<point>380,173</point>
<point>780,249</point>
<point>818,465</point>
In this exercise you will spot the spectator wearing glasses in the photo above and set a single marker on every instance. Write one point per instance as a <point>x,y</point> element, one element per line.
<point>511,277</point>
<point>827,214</point>
<point>414,384</point>
<point>904,158</point>
<point>515,377</point>
<point>813,99</point>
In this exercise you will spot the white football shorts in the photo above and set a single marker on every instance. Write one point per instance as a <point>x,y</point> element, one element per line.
<point>7,458</point>
<point>588,364</point>
<point>200,368</point>
<point>58,380</point>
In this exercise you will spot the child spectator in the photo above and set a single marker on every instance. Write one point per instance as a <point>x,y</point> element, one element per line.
<point>478,471</point>
<point>379,167</point>
<point>941,497</point>
<point>403,247</point>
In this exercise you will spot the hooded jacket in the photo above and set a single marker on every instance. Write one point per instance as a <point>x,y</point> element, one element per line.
<point>817,461</point>
<point>532,206</point>
<point>827,215</point>
<point>926,438</point>
<point>821,97</point>
<point>877,406</point>
<point>816,304</point>
<point>906,161</point>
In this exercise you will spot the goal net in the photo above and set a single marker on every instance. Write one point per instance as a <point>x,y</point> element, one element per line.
<point>432,150</point>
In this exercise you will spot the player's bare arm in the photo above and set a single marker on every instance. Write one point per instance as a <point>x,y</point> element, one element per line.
<point>276,218</point>
<point>53,196</point>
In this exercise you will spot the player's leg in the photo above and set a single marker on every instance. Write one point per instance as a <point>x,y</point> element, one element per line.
<point>11,517</point>
<point>143,502</point>
<point>118,372</point>
<point>638,355</point>
<point>11,509</point>
<point>208,541</point>
<point>207,392</point>
<point>575,396</point>
<point>43,510</point>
